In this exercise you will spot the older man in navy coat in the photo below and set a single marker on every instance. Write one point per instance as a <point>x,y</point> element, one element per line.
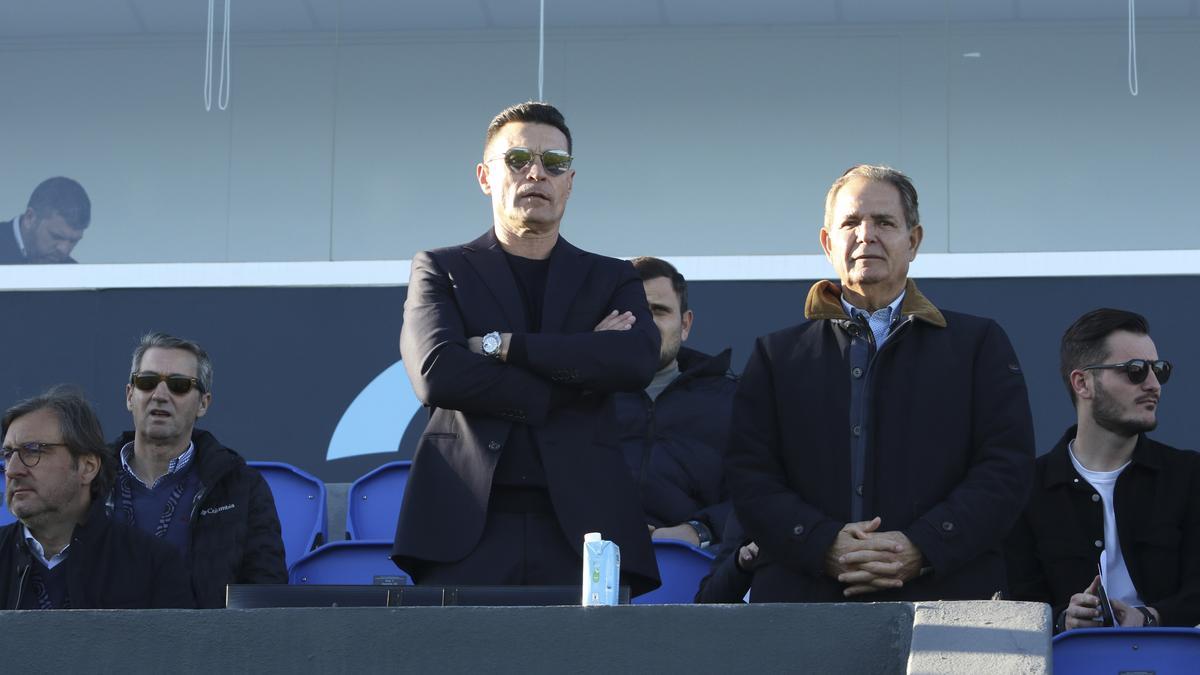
<point>516,342</point>
<point>882,449</point>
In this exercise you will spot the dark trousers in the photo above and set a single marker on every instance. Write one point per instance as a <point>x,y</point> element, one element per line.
<point>517,549</point>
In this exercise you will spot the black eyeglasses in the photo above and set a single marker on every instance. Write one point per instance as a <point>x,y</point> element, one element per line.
<point>556,162</point>
<point>29,453</point>
<point>1137,369</point>
<point>176,384</point>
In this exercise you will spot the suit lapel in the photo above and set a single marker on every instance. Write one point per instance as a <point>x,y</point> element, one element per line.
<point>568,268</point>
<point>487,258</point>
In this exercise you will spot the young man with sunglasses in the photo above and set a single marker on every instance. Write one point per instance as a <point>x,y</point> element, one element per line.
<point>182,485</point>
<point>1108,495</point>
<point>64,551</point>
<point>516,342</point>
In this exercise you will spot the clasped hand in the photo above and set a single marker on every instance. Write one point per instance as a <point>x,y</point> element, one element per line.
<point>867,560</point>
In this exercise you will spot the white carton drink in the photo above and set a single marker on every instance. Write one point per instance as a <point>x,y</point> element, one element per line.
<point>601,570</point>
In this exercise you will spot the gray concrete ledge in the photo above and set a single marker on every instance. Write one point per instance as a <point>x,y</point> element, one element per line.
<point>850,638</point>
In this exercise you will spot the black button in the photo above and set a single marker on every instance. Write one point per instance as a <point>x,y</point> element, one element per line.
<point>857,372</point>
<point>858,490</point>
<point>1095,498</point>
<point>1098,543</point>
<point>856,430</point>
<point>494,445</point>
<point>798,530</point>
<point>948,526</point>
<point>855,330</point>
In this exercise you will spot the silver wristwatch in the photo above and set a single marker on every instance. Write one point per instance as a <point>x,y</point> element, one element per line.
<point>491,344</point>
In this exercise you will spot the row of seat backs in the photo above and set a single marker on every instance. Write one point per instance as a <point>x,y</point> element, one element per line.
<point>373,504</point>
<point>361,561</point>
<point>1127,650</point>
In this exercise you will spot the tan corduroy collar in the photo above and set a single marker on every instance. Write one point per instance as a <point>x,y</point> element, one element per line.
<point>825,302</point>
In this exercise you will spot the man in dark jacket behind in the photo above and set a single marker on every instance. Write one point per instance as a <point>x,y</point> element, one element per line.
<point>180,484</point>
<point>881,450</point>
<point>64,552</point>
<point>674,432</point>
<point>1108,495</point>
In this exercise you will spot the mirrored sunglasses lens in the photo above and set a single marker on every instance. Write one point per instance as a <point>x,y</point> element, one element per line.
<point>1162,371</point>
<point>556,162</point>
<point>179,384</point>
<point>145,382</point>
<point>517,158</point>
<point>1137,371</point>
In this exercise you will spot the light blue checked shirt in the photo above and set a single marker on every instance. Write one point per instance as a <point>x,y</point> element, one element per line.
<point>880,320</point>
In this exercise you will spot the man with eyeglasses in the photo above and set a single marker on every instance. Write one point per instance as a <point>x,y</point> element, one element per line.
<point>881,450</point>
<point>1108,498</point>
<point>516,342</point>
<point>65,552</point>
<point>180,484</point>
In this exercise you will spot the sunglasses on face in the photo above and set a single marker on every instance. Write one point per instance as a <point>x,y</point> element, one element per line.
<point>556,162</point>
<point>29,454</point>
<point>1137,369</point>
<point>176,384</point>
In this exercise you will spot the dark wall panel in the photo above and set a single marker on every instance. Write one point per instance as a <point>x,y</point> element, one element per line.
<point>289,361</point>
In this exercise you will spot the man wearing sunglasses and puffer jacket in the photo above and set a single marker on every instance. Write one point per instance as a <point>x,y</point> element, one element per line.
<point>182,485</point>
<point>1108,496</point>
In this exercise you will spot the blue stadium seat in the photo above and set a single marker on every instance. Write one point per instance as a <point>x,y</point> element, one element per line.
<point>373,502</point>
<point>300,501</point>
<point>1123,650</point>
<point>681,566</point>
<point>349,562</point>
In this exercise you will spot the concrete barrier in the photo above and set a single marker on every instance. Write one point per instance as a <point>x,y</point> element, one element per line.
<point>1001,637</point>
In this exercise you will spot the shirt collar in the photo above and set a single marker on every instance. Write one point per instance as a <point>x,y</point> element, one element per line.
<point>889,312</point>
<point>35,547</point>
<point>17,235</point>
<point>174,466</point>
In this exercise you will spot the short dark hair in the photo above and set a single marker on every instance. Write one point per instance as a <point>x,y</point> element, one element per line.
<point>65,197</point>
<point>882,174</point>
<point>81,431</point>
<point>157,340</point>
<point>529,111</point>
<point>654,268</point>
<point>1084,343</point>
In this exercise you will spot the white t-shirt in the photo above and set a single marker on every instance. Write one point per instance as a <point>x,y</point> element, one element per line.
<point>1118,585</point>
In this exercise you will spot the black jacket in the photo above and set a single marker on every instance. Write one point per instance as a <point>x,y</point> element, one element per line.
<point>673,444</point>
<point>727,582</point>
<point>235,534</point>
<point>1052,552</point>
<point>948,459</point>
<point>109,566</point>
<point>558,385</point>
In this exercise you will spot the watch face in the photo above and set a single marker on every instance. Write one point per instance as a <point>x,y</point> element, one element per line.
<point>491,343</point>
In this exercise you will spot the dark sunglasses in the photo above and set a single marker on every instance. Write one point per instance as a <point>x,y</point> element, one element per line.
<point>29,454</point>
<point>1137,369</point>
<point>176,384</point>
<point>556,162</point>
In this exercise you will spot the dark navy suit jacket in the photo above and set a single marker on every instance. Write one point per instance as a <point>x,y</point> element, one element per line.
<point>562,392</point>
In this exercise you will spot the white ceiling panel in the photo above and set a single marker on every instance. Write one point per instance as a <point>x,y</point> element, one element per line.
<point>1091,10</point>
<point>38,18</point>
<point>892,11</point>
<point>748,12</point>
<point>266,16</point>
<point>983,10</point>
<point>599,13</point>
<point>177,17</point>
<point>389,15</point>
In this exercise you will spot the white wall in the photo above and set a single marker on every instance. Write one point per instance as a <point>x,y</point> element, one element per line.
<point>690,141</point>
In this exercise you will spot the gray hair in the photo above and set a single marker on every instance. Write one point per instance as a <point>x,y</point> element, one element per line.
<point>156,340</point>
<point>882,174</point>
<point>80,429</point>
